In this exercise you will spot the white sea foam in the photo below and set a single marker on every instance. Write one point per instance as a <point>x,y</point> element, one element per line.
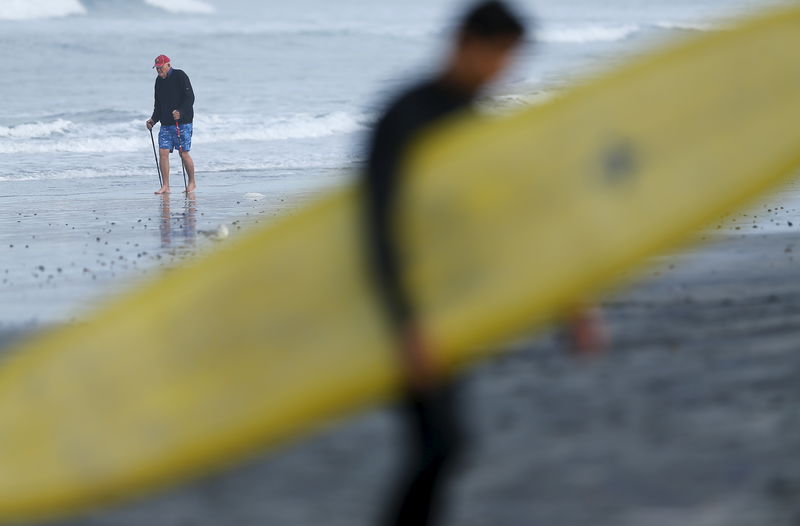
<point>75,173</point>
<point>64,136</point>
<point>75,146</point>
<point>587,33</point>
<point>297,126</point>
<point>34,9</point>
<point>689,26</point>
<point>591,33</point>
<point>36,130</point>
<point>182,6</point>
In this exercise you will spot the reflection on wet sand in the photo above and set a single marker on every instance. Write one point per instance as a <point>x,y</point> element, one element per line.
<point>178,229</point>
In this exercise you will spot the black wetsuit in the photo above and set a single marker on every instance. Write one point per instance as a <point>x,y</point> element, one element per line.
<point>434,428</point>
<point>173,93</point>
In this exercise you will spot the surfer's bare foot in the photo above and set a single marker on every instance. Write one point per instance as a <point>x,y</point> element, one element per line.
<point>191,188</point>
<point>162,190</point>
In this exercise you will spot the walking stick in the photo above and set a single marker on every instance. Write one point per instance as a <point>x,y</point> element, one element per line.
<point>158,167</point>
<point>180,153</point>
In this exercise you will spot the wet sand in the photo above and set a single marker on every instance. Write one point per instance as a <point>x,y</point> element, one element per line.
<point>67,245</point>
<point>693,417</point>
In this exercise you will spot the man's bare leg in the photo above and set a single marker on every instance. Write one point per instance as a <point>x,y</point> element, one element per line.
<point>188,163</point>
<point>163,155</point>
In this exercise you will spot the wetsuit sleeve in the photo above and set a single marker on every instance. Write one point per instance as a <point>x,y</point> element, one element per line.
<point>187,95</point>
<point>156,106</point>
<point>381,186</point>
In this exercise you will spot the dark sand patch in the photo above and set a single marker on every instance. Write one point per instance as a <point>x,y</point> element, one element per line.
<point>692,418</point>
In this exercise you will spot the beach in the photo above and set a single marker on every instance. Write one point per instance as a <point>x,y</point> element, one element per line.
<point>690,417</point>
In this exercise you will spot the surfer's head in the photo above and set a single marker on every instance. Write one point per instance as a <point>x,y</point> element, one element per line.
<point>485,41</point>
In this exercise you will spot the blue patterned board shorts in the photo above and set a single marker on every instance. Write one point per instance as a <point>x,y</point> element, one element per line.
<point>168,137</point>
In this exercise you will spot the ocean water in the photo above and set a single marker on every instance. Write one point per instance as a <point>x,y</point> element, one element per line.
<point>279,85</point>
<point>285,94</point>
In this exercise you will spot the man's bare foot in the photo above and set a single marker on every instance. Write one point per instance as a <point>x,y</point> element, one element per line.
<point>162,190</point>
<point>191,188</point>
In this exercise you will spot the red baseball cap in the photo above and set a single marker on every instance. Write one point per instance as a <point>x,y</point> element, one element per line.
<point>161,60</point>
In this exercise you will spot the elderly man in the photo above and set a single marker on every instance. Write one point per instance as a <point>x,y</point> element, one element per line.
<point>174,98</point>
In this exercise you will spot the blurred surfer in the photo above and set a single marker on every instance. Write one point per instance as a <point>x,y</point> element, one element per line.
<point>484,43</point>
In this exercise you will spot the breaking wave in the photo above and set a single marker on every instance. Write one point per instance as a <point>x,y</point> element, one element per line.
<point>36,9</point>
<point>43,9</point>
<point>182,6</point>
<point>66,136</point>
<point>587,33</point>
<point>591,33</point>
<point>36,130</point>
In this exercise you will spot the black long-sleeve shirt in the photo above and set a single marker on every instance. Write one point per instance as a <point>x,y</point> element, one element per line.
<point>173,93</point>
<point>405,118</point>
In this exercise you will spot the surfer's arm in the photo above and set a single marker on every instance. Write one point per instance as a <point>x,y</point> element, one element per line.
<point>413,348</point>
<point>380,189</point>
<point>420,364</point>
<point>382,186</point>
<point>586,331</point>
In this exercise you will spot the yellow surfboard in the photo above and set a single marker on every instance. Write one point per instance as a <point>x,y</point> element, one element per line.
<point>513,219</point>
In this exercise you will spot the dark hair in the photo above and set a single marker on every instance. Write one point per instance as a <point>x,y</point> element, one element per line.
<point>492,19</point>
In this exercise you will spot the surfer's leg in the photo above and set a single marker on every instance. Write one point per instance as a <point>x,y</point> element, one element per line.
<point>435,439</point>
